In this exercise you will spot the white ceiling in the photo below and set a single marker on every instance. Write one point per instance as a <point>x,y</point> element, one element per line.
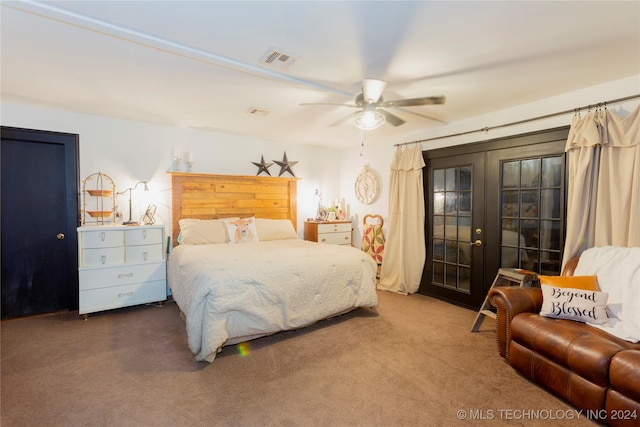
<point>198,64</point>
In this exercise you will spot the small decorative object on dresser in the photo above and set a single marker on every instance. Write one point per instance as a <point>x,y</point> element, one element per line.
<point>331,213</point>
<point>149,217</point>
<point>331,232</point>
<point>120,266</point>
<point>98,199</point>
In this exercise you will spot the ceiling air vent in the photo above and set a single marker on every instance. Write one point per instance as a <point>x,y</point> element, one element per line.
<point>276,58</point>
<point>256,111</point>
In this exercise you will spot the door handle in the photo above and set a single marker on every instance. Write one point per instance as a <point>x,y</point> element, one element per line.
<point>477,243</point>
<point>60,236</point>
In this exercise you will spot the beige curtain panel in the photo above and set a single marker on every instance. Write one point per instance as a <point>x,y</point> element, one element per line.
<point>405,250</point>
<point>603,204</point>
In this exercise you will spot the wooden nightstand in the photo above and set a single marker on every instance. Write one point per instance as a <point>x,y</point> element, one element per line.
<point>330,232</point>
<point>120,266</point>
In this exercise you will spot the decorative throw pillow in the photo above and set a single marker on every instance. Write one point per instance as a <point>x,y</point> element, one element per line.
<point>202,231</point>
<point>574,304</point>
<point>275,229</point>
<point>589,283</point>
<point>242,230</point>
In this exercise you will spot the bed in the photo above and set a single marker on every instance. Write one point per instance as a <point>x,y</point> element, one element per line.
<point>239,271</point>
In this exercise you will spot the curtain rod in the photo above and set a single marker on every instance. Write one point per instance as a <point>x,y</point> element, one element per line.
<point>519,122</point>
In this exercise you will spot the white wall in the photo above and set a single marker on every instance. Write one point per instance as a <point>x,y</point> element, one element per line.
<point>132,151</point>
<point>378,154</point>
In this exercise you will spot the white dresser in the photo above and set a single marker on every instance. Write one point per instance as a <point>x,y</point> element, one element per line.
<point>330,232</point>
<point>121,266</point>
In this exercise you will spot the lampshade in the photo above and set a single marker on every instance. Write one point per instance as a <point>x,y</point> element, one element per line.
<point>369,120</point>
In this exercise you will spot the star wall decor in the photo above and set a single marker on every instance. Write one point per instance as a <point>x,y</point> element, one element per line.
<point>262,166</point>
<point>285,165</point>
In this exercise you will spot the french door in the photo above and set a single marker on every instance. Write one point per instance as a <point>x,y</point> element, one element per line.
<point>527,208</point>
<point>455,227</point>
<point>492,205</point>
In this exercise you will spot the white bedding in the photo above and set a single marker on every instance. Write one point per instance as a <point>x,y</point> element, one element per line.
<point>231,293</point>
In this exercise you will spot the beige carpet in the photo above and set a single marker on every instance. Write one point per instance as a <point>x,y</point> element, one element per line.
<point>411,362</point>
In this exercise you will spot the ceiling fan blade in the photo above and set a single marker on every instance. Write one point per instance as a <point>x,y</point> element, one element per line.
<point>344,119</point>
<point>372,90</point>
<point>424,116</point>
<point>330,103</point>
<point>427,100</point>
<point>392,119</point>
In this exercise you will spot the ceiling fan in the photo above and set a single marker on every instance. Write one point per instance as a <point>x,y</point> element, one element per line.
<point>371,106</point>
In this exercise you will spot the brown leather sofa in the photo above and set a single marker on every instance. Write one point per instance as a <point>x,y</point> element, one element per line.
<point>589,368</point>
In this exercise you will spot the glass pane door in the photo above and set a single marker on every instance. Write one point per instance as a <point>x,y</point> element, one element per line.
<point>531,214</point>
<point>453,269</point>
<point>451,233</point>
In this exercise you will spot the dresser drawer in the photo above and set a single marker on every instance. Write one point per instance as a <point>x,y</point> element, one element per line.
<point>102,238</point>
<point>143,236</point>
<point>102,256</point>
<point>93,278</point>
<point>334,228</point>
<point>120,266</point>
<point>343,238</point>
<point>121,296</point>
<point>143,253</point>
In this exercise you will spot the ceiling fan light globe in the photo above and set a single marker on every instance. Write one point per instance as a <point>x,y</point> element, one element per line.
<point>372,89</point>
<point>369,120</point>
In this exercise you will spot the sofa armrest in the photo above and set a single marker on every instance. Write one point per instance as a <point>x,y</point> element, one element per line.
<point>510,301</point>
<point>570,267</point>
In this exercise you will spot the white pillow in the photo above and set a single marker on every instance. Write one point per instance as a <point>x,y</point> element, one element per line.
<point>275,229</point>
<point>242,230</point>
<point>203,231</point>
<point>574,304</point>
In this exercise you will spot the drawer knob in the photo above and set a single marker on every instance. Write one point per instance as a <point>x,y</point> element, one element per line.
<point>120,276</point>
<point>104,258</point>
<point>60,236</point>
<point>125,294</point>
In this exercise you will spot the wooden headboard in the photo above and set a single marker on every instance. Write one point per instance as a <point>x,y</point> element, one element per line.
<point>204,196</point>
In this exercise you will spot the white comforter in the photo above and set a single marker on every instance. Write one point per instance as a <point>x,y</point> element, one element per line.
<point>235,292</point>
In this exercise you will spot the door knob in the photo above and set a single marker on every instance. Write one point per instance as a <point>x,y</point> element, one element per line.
<point>60,236</point>
<point>477,243</point>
